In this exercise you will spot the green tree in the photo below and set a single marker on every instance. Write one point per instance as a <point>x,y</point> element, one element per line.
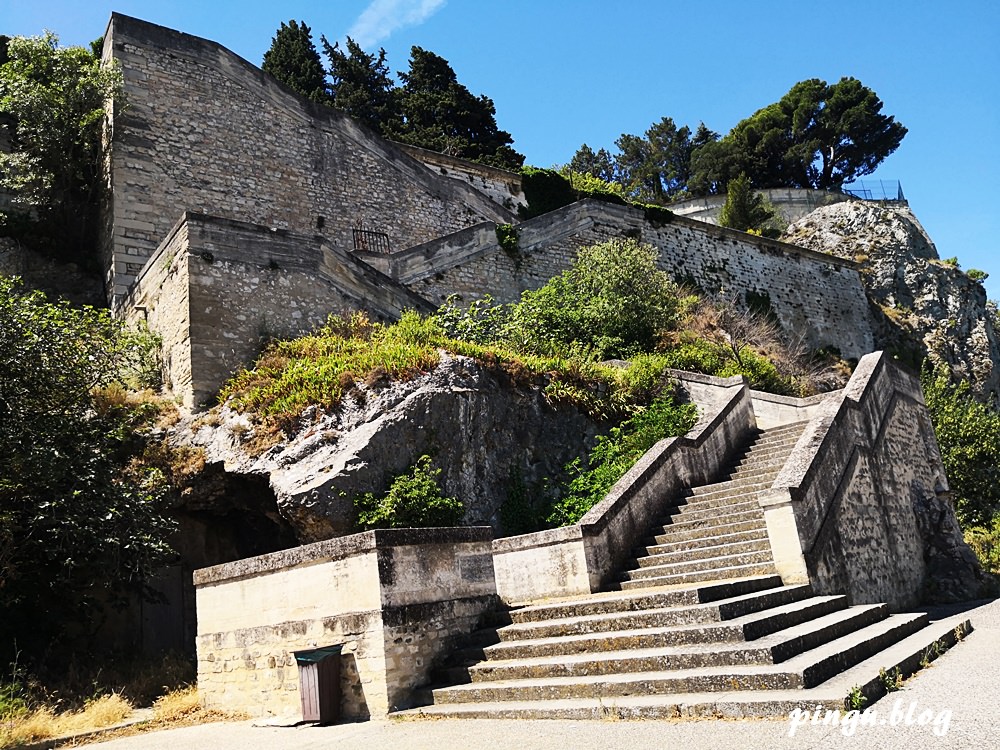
<point>440,114</point>
<point>294,61</point>
<point>599,164</point>
<point>745,209</point>
<point>818,135</point>
<point>79,526</point>
<point>614,300</point>
<point>362,86</point>
<point>52,100</point>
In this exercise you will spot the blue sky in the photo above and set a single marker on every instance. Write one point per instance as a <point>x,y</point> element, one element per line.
<point>566,73</point>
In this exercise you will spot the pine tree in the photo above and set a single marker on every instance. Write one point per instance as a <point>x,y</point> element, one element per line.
<point>362,86</point>
<point>744,208</point>
<point>294,61</point>
<point>442,115</point>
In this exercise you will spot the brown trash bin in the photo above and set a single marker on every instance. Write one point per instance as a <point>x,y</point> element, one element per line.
<point>319,683</point>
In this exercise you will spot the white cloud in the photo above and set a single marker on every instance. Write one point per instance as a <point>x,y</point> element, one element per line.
<point>382,17</point>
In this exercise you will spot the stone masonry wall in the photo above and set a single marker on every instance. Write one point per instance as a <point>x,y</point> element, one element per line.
<point>395,600</point>
<point>217,290</point>
<point>844,511</point>
<point>203,130</point>
<point>501,186</point>
<point>813,294</point>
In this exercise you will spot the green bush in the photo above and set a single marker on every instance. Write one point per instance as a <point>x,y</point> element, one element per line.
<point>985,542</point>
<point>616,453</point>
<point>976,275</point>
<point>414,500</point>
<point>544,190</point>
<point>700,355</point>
<point>968,434</point>
<point>614,299</point>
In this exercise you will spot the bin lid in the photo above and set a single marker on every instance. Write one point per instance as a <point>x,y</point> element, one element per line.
<point>316,655</point>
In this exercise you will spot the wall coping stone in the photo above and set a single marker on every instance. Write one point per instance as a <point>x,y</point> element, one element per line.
<point>339,548</point>
<point>796,401</point>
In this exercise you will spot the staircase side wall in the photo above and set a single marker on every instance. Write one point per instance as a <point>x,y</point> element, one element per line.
<point>850,490</point>
<point>580,559</point>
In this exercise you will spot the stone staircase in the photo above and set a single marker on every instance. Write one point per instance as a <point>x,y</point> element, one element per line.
<point>698,624</point>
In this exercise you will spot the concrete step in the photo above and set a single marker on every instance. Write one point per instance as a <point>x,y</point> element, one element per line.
<point>654,610</point>
<point>736,571</point>
<point>792,607</point>
<point>695,512</point>
<point>667,554</point>
<point>806,670</point>
<point>722,594</point>
<point>712,521</point>
<point>721,497</point>
<point>646,568</point>
<point>694,532</point>
<point>703,544</point>
<point>649,651</point>
<point>732,484</point>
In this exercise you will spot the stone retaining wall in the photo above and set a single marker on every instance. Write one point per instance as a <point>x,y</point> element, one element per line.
<point>395,600</point>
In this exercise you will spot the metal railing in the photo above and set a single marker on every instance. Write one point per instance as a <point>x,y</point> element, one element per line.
<point>371,242</point>
<point>876,190</point>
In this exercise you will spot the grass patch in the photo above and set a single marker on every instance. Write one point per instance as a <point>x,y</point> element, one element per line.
<point>352,353</point>
<point>44,722</point>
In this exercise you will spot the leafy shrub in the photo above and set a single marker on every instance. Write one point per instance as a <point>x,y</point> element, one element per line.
<point>480,322</point>
<point>968,434</point>
<point>616,453</point>
<point>79,525</point>
<point>976,275</point>
<point>414,500</point>
<point>985,542</point>
<point>544,190</point>
<point>614,299</point>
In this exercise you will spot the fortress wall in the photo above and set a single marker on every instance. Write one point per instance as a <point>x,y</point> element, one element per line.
<point>217,290</point>
<point>792,203</point>
<point>818,296</point>
<point>500,185</point>
<point>203,130</point>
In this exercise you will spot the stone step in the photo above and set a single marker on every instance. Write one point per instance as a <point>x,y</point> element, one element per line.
<point>713,521</point>
<point>805,670</point>
<point>721,500</point>
<point>736,571</point>
<point>721,594</point>
<point>793,607</point>
<point>695,513</point>
<point>702,544</point>
<point>644,568</point>
<point>732,484</point>
<point>653,609</point>
<point>812,623</point>
<point>907,655</point>
<point>671,534</point>
<point>658,555</point>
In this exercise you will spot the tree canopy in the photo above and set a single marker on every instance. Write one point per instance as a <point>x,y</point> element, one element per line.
<point>294,61</point>
<point>441,114</point>
<point>52,103</point>
<point>430,108</point>
<point>818,135</point>
<point>745,208</point>
<point>362,85</point>
<point>79,525</point>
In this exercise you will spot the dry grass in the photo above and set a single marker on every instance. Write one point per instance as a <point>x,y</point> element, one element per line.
<point>45,723</point>
<point>178,708</point>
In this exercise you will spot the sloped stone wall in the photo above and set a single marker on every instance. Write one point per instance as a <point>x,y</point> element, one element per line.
<point>203,130</point>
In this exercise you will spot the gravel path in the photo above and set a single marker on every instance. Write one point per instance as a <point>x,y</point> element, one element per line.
<point>958,693</point>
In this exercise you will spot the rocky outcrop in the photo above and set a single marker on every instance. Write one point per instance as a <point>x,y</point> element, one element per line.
<point>921,306</point>
<point>486,433</point>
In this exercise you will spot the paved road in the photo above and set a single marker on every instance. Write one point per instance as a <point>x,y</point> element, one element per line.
<point>958,693</point>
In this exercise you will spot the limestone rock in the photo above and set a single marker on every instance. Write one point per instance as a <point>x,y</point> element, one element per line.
<point>919,302</point>
<point>479,429</point>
